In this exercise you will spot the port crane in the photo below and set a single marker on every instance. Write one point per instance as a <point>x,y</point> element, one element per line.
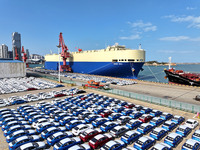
<point>64,55</point>
<point>16,54</point>
<point>24,57</point>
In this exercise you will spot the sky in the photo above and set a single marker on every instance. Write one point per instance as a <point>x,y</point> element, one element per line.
<point>169,28</point>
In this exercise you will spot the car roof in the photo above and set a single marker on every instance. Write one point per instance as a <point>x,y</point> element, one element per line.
<point>143,139</point>
<point>169,122</point>
<point>119,127</point>
<point>65,140</point>
<point>26,145</point>
<point>145,124</point>
<point>22,138</point>
<point>57,134</point>
<point>197,131</point>
<point>131,132</point>
<point>159,146</point>
<point>173,135</point>
<point>191,120</point>
<point>99,136</point>
<point>191,142</point>
<point>110,143</point>
<point>81,125</point>
<point>182,127</point>
<point>158,129</point>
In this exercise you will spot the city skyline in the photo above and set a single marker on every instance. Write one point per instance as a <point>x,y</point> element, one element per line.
<point>164,28</point>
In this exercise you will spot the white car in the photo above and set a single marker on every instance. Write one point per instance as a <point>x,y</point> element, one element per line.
<point>191,144</point>
<point>191,123</point>
<point>81,128</point>
<point>40,121</point>
<point>4,103</point>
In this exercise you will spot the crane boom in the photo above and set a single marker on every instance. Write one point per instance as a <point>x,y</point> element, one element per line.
<point>16,54</point>
<point>64,54</point>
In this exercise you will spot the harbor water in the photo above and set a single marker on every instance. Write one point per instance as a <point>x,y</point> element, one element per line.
<point>154,73</point>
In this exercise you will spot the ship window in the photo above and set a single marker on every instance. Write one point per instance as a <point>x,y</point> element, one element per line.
<point>131,59</point>
<point>125,60</point>
<point>141,59</point>
<point>122,60</point>
<point>137,59</point>
<point>114,60</point>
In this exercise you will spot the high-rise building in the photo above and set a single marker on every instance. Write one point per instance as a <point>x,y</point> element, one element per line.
<point>4,51</point>
<point>16,43</point>
<point>10,54</point>
<point>27,53</point>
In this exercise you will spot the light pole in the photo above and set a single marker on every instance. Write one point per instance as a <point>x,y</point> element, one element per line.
<point>59,63</point>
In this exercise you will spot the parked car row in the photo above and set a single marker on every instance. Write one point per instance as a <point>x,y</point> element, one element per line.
<point>102,79</point>
<point>94,121</point>
<point>40,96</point>
<point>13,85</point>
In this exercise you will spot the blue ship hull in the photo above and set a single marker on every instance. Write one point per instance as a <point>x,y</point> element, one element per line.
<point>118,69</point>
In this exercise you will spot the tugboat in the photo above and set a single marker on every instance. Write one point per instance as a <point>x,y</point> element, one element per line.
<point>181,77</point>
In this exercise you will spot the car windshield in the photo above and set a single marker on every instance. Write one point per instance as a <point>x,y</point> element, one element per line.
<point>59,144</point>
<point>188,146</point>
<point>84,133</point>
<point>155,132</point>
<point>142,117</point>
<point>169,138</point>
<point>139,142</point>
<point>106,147</point>
<point>126,135</point>
<point>76,128</point>
<point>166,124</point>
<point>153,120</point>
<point>142,127</point>
<point>181,129</point>
<point>94,140</point>
<point>189,122</point>
<point>197,134</point>
<point>114,130</point>
<point>45,131</point>
<point>103,125</point>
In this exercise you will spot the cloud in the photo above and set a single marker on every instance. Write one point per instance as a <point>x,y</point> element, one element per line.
<point>176,51</point>
<point>192,20</point>
<point>143,26</point>
<point>180,38</point>
<point>137,29</point>
<point>191,8</point>
<point>174,38</point>
<point>131,37</point>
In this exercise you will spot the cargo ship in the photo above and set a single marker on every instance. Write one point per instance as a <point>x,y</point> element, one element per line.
<point>181,77</point>
<point>115,61</point>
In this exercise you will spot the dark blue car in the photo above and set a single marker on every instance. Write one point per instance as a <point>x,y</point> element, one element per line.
<point>178,119</point>
<point>173,139</point>
<point>66,143</point>
<point>118,109</point>
<point>73,124</point>
<point>91,118</point>
<point>99,121</point>
<point>183,130</point>
<point>156,121</point>
<point>133,124</point>
<point>166,116</point>
<point>114,116</point>
<point>66,120</point>
<point>144,143</point>
<point>155,113</point>
<point>108,126</point>
<point>145,128</point>
<point>136,114</point>
<point>169,125</point>
<point>131,136</point>
<point>158,133</point>
<point>145,110</point>
<point>196,135</point>
<point>56,137</point>
<point>49,131</point>
<point>126,112</point>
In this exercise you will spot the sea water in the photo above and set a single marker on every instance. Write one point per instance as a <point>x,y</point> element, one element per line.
<point>157,74</point>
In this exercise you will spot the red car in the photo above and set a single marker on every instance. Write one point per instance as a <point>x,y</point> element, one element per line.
<point>145,118</point>
<point>130,105</point>
<point>89,134</point>
<point>84,97</point>
<point>106,113</point>
<point>99,140</point>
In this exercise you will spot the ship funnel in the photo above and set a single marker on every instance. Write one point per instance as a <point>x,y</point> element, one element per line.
<point>140,47</point>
